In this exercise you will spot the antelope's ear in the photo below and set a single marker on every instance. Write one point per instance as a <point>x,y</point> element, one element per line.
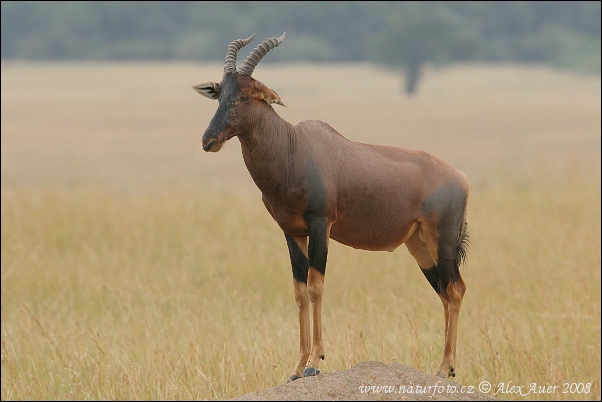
<point>270,96</point>
<point>209,90</point>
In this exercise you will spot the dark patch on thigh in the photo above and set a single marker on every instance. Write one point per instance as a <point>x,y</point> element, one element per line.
<point>448,204</point>
<point>299,261</point>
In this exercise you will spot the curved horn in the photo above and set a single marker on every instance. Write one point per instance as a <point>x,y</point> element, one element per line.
<point>251,61</point>
<point>235,46</point>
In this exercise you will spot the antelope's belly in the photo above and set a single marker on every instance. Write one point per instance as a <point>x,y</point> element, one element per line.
<point>367,236</point>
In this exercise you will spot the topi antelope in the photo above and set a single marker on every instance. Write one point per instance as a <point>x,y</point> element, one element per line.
<point>317,185</point>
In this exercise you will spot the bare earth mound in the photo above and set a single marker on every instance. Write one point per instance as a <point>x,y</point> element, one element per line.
<point>370,380</point>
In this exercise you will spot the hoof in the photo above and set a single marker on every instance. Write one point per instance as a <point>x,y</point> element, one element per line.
<point>310,371</point>
<point>451,373</point>
<point>292,378</point>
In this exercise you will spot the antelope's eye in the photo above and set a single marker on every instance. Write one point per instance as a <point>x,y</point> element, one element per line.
<point>243,97</point>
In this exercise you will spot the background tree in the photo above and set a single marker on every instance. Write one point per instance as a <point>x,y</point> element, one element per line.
<point>405,36</point>
<point>419,34</point>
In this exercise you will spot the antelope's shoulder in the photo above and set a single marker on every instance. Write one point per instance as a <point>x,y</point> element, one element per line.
<point>318,128</point>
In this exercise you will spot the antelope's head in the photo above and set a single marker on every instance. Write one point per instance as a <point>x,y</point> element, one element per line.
<point>238,94</point>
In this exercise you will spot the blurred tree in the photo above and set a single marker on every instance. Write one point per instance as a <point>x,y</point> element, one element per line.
<point>420,33</point>
<point>401,35</point>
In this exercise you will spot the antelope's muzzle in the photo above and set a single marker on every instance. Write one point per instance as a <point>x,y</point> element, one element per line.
<point>214,142</point>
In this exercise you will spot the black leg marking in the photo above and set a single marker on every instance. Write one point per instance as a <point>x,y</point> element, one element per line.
<point>440,276</point>
<point>433,277</point>
<point>299,261</point>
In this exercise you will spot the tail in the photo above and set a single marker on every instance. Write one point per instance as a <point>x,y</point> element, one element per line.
<point>462,246</point>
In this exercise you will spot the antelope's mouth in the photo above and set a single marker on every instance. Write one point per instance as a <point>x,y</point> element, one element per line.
<point>214,144</point>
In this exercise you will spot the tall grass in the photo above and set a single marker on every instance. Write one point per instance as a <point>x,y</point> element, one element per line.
<point>163,277</point>
<point>189,296</point>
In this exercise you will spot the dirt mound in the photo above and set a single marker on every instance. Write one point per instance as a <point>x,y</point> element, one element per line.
<point>369,381</point>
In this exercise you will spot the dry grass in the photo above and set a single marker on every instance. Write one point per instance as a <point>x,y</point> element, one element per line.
<point>135,267</point>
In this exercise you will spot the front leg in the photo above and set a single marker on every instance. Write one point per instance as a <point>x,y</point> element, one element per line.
<point>297,247</point>
<point>318,252</point>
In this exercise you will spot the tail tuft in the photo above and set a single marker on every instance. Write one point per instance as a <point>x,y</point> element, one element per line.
<point>462,247</point>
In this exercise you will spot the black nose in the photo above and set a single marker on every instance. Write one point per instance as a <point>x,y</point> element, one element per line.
<point>209,144</point>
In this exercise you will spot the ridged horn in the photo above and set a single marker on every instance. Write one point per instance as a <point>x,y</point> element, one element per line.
<point>235,46</point>
<point>257,54</point>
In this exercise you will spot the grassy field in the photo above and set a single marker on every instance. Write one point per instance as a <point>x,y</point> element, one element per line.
<point>136,267</point>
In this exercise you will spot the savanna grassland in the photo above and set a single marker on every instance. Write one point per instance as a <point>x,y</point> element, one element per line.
<point>134,266</point>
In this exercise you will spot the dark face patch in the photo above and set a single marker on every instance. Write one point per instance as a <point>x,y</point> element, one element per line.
<point>216,135</point>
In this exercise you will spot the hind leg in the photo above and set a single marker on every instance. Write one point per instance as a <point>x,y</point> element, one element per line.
<point>419,250</point>
<point>453,294</point>
<point>451,286</point>
<point>440,270</point>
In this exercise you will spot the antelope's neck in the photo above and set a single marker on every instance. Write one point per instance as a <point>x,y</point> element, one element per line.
<point>268,149</point>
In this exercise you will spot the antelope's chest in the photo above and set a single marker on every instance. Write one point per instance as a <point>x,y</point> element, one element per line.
<point>288,214</point>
